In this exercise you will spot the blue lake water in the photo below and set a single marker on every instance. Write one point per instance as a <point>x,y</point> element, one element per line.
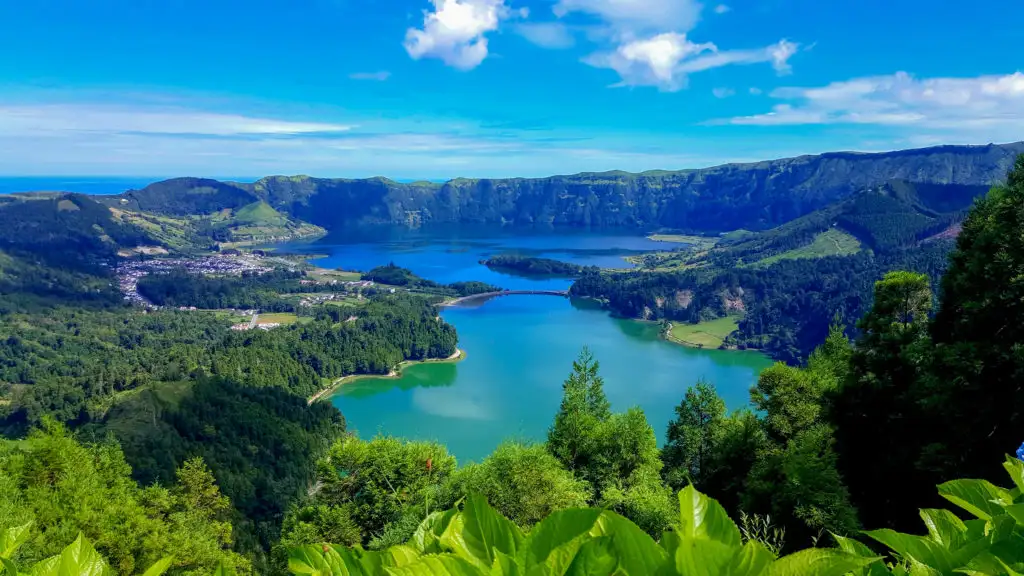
<point>519,348</point>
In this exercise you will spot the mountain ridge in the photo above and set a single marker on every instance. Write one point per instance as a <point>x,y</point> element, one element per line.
<point>754,196</point>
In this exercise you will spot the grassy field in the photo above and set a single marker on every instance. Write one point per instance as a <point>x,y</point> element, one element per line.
<point>346,301</point>
<point>259,213</point>
<point>339,275</point>
<point>708,334</point>
<point>833,242</point>
<point>282,318</point>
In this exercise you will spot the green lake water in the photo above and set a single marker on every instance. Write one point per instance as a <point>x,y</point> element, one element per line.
<point>519,350</point>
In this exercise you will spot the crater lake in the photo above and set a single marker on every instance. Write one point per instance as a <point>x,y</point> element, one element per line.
<point>518,349</point>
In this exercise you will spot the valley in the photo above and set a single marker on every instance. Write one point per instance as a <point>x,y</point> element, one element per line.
<point>238,323</point>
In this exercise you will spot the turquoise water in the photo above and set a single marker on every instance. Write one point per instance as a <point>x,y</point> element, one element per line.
<point>519,348</point>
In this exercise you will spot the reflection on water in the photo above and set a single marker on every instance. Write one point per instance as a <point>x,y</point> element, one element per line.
<point>429,375</point>
<point>519,348</point>
<point>452,253</point>
<point>519,351</point>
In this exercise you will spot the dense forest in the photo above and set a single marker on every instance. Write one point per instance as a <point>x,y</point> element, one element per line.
<point>533,266</point>
<point>787,294</point>
<point>163,439</point>
<point>71,364</point>
<point>394,275</point>
<point>249,291</point>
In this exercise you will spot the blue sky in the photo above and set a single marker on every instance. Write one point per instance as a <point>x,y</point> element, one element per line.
<point>493,88</point>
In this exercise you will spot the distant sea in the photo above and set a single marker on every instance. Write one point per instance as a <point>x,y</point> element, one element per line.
<point>98,184</point>
<point>83,184</point>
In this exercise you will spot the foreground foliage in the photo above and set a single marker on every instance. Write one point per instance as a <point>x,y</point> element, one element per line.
<point>59,489</point>
<point>704,541</point>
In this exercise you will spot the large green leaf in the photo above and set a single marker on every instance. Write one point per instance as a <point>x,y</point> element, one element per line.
<point>552,544</point>
<point>944,527</point>
<point>752,560</point>
<point>78,559</point>
<point>437,565</point>
<point>12,538</point>
<point>670,543</point>
<point>8,567</point>
<point>427,538</point>
<point>920,548</point>
<point>399,556</point>
<point>159,567</point>
<point>703,517</point>
<point>818,562</point>
<point>505,565</point>
<point>479,532</point>
<point>1016,512</point>
<point>703,557</point>
<point>325,560</point>
<point>851,546</point>
<point>596,556</point>
<point>919,569</point>
<point>1015,468</point>
<point>636,551</point>
<point>979,497</point>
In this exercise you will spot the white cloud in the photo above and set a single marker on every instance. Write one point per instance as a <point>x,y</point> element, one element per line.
<point>168,135</point>
<point>756,91</point>
<point>637,16</point>
<point>648,43</point>
<point>651,62</point>
<point>455,32</point>
<point>723,92</point>
<point>41,119</point>
<point>553,35</point>
<point>665,60</point>
<point>991,106</point>
<point>378,76</point>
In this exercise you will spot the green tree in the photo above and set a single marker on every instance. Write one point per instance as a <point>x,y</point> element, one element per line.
<point>524,482</point>
<point>738,442</point>
<point>875,411</point>
<point>65,488</point>
<point>975,393</point>
<point>574,436</point>
<point>617,454</point>
<point>690,441</point>
<point>383,484</point>
<point>794,477</point>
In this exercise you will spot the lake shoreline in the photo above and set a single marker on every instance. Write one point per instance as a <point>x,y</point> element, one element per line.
<point>458,356</point>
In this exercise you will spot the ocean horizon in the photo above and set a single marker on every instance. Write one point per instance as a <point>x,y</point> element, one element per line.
<point>110,184</point>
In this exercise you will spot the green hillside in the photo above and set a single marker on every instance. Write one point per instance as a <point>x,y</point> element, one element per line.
<point>756,196</point>
<point>259,213</point>
<point>832,242</point>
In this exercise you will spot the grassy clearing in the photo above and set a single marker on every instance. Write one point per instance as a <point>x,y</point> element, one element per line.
<point>259,213</point>
<point>677,238</point>
<point>282,318</point>
<point>339,275</point>
<point>833,242</point>
<point>708,334</point>
<point>347,301</point>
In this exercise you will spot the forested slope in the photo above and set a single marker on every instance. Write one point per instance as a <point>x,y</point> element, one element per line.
<point>752,196</point>
<point>785,294</point>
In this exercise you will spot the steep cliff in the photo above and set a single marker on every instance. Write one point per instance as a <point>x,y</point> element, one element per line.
<point>753,196</point>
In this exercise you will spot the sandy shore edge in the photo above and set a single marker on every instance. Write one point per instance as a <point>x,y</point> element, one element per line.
<point>457,356</point>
